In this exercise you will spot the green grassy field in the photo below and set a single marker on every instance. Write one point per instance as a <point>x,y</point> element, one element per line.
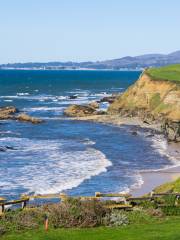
<point>167,230</point>
<point>170,73</point>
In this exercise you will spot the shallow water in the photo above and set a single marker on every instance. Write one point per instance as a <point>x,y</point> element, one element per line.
<point>64,155</point>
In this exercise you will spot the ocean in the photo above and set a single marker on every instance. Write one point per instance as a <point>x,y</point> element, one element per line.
<point>63,155</point>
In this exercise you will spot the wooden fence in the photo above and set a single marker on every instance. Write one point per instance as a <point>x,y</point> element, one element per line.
<point>119,201</point>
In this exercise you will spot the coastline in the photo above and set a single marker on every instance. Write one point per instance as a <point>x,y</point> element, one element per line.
<point>152,178</point>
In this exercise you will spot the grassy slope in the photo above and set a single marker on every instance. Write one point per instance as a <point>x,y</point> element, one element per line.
<point>167,230</point>
<point>169,187</point>
<point>170,73</point>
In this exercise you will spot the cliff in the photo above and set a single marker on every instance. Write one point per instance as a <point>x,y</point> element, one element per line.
<point>153,98</point>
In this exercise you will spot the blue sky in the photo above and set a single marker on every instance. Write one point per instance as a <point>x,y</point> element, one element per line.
<point>81,30</point>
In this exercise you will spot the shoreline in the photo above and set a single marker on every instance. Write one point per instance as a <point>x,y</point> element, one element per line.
<point>150,178</point>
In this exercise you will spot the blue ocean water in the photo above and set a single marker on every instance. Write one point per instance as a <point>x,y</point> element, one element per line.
<point>62,155</point>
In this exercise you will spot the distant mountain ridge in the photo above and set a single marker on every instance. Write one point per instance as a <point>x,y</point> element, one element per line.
<point>128,62</point>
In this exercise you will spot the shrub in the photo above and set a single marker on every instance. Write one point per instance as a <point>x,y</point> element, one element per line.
<point>139,216</point>
<point>2,230</point>
<point>171,210</point>
<point>116,218</point>
<point>76,213</point>
<point>169,200</point>
<point>20,220</point>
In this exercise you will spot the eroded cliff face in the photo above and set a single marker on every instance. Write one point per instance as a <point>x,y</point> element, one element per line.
<point>152,101</point>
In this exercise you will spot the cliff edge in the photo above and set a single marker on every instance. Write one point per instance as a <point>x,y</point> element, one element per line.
<point>154,97</point>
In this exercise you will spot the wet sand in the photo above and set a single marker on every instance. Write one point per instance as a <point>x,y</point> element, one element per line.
<point>152,179</point>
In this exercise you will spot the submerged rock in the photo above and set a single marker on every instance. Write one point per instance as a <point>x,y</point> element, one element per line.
<point>26,118</point>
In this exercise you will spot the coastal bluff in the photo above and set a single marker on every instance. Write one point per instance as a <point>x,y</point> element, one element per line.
<point>154,98</point>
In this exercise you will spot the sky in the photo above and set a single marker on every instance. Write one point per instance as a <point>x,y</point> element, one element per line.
<point>86,30</point>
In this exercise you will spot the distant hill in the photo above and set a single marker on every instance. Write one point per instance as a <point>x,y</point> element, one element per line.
<point>128,62</point>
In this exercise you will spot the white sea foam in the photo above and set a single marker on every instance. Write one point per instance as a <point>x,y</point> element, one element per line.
<point>8,100</point>
<point>45,166</point>
<point>37,109</point>
<point>160,144</point>
<point>23,94</point>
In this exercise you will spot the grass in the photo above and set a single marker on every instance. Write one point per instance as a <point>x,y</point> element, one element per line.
<point>155,100</point>
<point>169,73</point>
<point>168,229</point>
<point>169,187</point>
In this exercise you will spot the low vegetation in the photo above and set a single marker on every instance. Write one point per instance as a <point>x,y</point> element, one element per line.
<point>170,73</point>
<point>91,219</point>
<point>171,187</point>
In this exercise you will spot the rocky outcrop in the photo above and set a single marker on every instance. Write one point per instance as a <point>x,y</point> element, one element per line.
<point>94,104</point>
<point>26,118</point>
<point>7,112</point>
<point>172,130</point>
<point>79,111</point>
<point>152,101</point>
<point>10,112</point>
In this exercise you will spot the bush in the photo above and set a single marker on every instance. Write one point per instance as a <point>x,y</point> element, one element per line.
<point>116,218</point>
<point>76,213</point>
<point>171,210</point>
<point>169,200</point>
<point>20,220</point>
<point>2,230</point>
<point>147,204</point>
<point>140,216</point>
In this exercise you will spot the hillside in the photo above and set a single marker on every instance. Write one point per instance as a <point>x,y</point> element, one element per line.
<point>154,97</point>
<point>128,62</point>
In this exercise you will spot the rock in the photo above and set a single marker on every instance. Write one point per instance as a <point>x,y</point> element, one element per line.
<point>94,104</point>
<point>3,149</point>
<point>7,112</point>
<point>10,148</point>
<point>134,133</point>
<point>150,136</point>
<point>79,111</point>
<point>171,129</point>
<point>110,99</point>
<point>73,97</point>
<point>100,112</point>
<point>26,118</point>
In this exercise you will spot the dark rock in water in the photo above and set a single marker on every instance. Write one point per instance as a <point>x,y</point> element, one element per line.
<point>79,111</point>
<point>134,133</point>
<point>10,148</point>
<point>26,118</point>
<point>3,149</point>
<point>73,97</point>
<point>110,99</point>
<point>150,135</point>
